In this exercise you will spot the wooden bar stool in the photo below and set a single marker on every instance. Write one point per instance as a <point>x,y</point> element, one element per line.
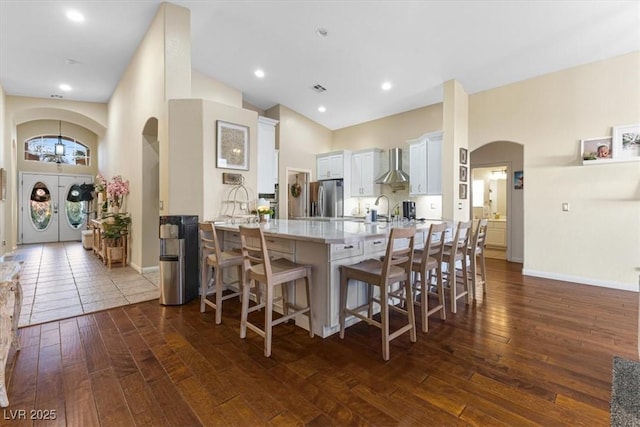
<point>215,261</point>
<point>394,268</point>
<point>476,249</point>
<point>425,262</point>
<point>454,252</point>
<point>260,269</point>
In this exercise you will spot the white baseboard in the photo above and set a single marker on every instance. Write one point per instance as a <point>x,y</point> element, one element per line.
<point>147,270</point>
<point>144,270</point>
<point>581,280</point>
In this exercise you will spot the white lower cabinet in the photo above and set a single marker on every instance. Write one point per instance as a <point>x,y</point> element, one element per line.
<point>497,233</point>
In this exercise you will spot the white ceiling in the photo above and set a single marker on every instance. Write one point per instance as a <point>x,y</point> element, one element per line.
<point>416,45</point>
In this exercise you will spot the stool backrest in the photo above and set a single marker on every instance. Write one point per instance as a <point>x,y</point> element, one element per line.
<point>208,240</point>
<point>399,250</point>
<point>254,255</point>
<point>480,235</point>
<point>434,246</point>
<point>461,239</point>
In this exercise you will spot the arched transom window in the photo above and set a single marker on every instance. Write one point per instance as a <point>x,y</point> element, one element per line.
<point>42,149</point>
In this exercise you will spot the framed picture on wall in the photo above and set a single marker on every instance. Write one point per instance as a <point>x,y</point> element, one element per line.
<point>232,146</point>
<point>3,183</point>
<point>463,174</point>
<point>463,156</point>
<point>463,191</point>
<point>518,180</point>
<point>626,142</point>
<point>596,149</point>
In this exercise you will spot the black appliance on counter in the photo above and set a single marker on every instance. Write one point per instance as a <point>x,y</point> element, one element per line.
<point>409,209</point>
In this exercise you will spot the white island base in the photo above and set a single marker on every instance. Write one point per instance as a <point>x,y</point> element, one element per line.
<point>325,246</point>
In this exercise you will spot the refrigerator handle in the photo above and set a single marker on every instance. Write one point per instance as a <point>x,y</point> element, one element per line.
<point>320,200</point>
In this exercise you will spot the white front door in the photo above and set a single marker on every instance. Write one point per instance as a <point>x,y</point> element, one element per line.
<point>50,209</point>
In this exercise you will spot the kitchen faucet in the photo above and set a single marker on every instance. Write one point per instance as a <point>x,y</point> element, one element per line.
<point>377,202</point>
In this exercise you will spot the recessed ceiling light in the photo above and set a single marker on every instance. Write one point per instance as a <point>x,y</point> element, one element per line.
<point>322,109</point>
<point>75,16</point>
<point>386,86</point>
<point>65,87</point>
<point>259,73</point>
<point>322,32</point>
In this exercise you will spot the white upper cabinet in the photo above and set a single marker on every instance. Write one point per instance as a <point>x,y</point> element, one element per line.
<point>267,155</point>
<point>425,165</point>
<point>365,168</point>
<point>336,165</point>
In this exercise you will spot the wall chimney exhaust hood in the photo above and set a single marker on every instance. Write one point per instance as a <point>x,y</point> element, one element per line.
<point>395,175</point>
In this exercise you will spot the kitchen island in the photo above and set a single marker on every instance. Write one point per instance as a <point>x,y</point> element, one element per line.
<point>325,245</point>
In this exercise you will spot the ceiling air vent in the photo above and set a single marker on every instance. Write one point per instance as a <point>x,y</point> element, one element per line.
<point>319,88</point>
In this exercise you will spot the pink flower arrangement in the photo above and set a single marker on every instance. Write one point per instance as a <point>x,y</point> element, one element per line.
<point>117,188</point>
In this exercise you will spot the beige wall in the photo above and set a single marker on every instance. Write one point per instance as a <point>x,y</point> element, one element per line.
<point>19,110</point>
<point>35,128</point>
<point>206,87</point>
<point>598,240</point>
<point>197,188</point>
<point>390,132</point>
<point>456,136</point>
<point>159,70</point>
<point>6,218</point>
<point>299,139</point>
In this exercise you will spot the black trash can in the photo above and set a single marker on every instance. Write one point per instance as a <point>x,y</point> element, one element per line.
<point>178,259</point>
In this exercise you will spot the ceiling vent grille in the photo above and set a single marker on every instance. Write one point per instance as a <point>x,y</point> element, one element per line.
<point>319,88</point>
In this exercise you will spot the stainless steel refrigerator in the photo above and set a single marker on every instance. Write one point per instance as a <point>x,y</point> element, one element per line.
<point>329,198</point>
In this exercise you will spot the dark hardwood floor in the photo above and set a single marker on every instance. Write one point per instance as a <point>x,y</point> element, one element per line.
<point>533,352</point>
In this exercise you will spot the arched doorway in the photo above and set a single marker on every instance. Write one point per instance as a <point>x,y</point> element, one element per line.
<point>498,158</point>
<point>150,195</point>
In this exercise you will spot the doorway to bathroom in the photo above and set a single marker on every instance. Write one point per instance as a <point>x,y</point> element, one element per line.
<point>490,200</point>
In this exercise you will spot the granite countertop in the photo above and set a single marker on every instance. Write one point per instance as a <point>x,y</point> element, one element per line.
<point>9,271</point>
<point>327,231</point>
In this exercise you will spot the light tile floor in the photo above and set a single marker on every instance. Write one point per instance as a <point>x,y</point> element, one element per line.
<point>61,280</point>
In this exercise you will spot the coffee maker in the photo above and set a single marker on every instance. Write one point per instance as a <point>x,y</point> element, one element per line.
<point>409,209</point>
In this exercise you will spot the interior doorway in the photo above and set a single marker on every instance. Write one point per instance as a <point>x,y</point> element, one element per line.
<point>490,200</point>
<point>297,193</point>
<point>51,207</point>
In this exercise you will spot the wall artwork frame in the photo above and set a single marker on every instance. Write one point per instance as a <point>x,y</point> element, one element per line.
<point>626,142</point>
<point>463,174</point>
<point>463,156</point>
<point>596,149</point>
<point>518,180</point>
<point>3,184</point>
<point>232,146</point>
<point>462,191</point>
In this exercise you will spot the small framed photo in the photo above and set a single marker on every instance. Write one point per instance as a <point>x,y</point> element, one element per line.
<point>463,173</point>
<point>626,142</point>
<point>232,178</point>
<point>463,156</point>
<point>463,191</point>
<point>518,180</point>
<point>232,146</point>
<point>595,149</point>
<point>3,184</point>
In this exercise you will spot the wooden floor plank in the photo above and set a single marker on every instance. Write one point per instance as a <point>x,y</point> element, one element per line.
<point>80,407</point>
<point>110,402</point>
<point>530,351</point>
